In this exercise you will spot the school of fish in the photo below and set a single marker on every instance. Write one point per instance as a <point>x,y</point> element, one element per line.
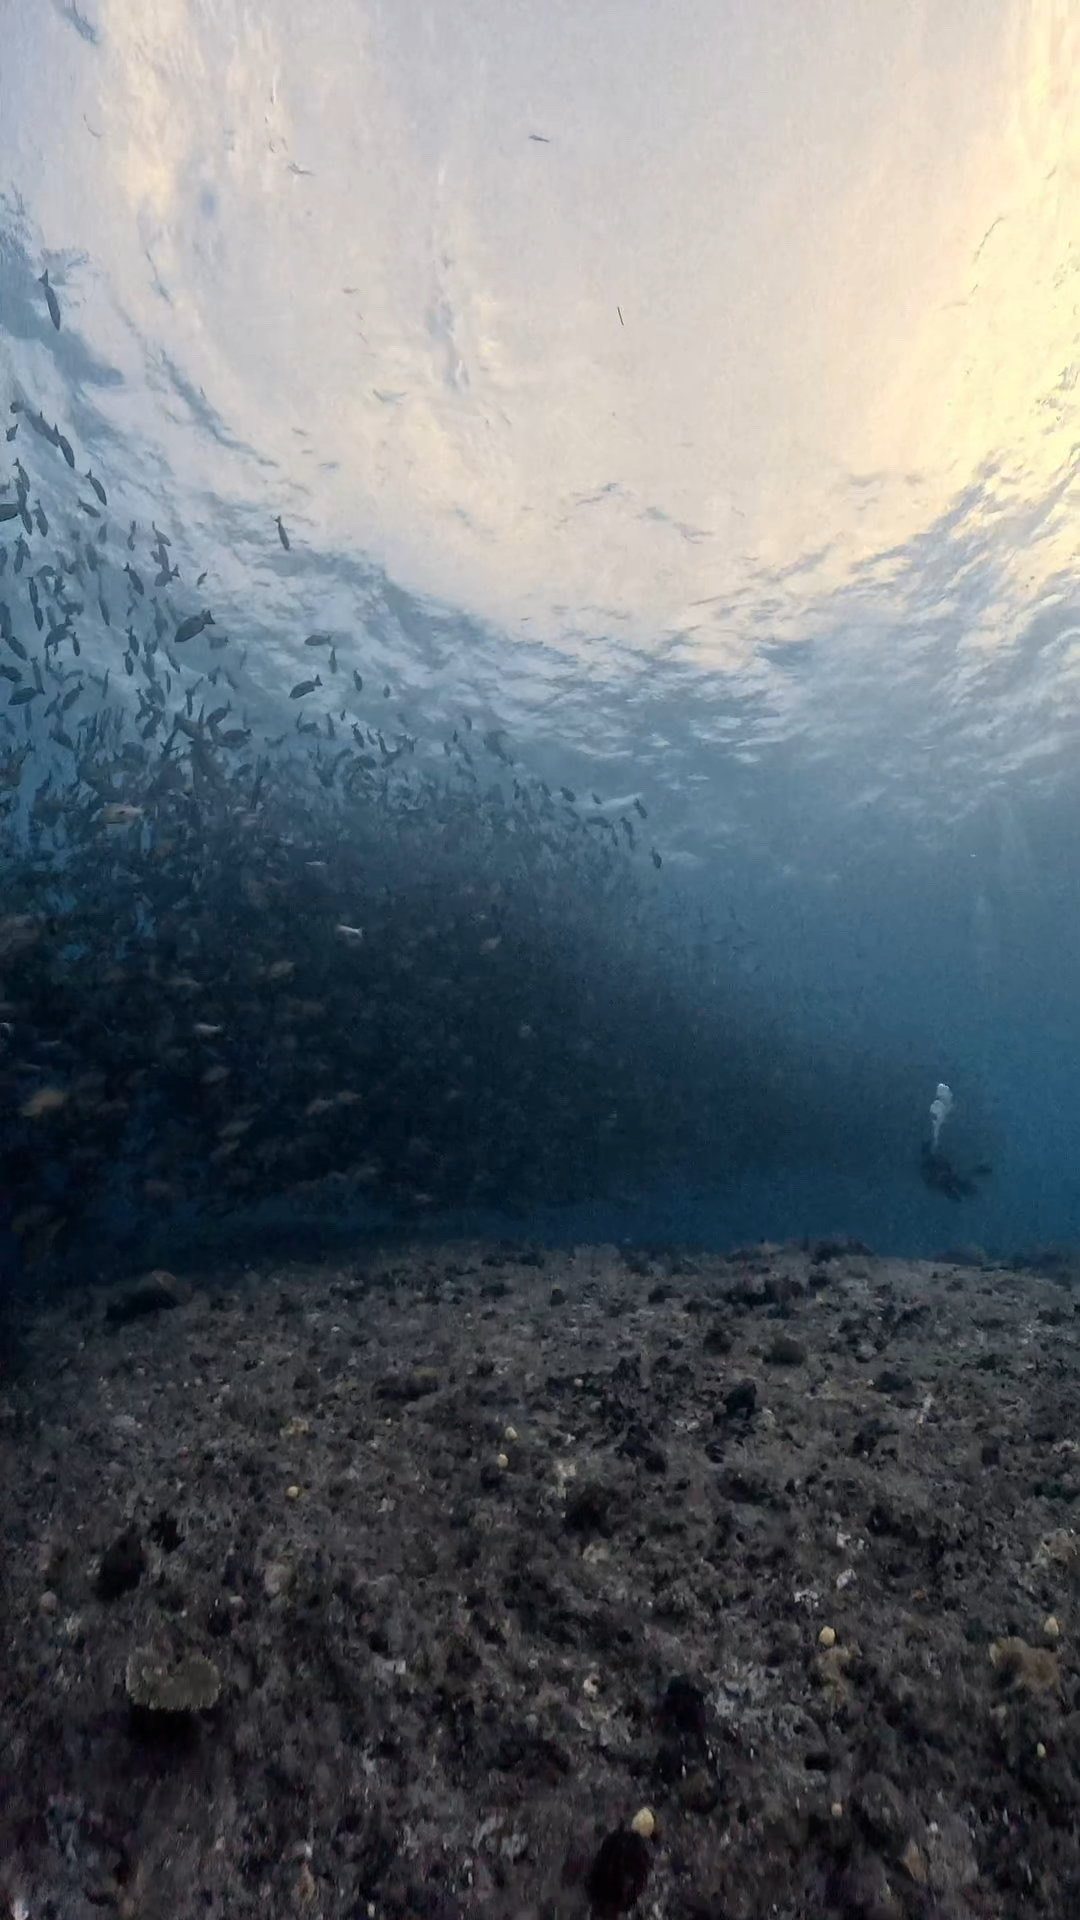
<point>242,961</point>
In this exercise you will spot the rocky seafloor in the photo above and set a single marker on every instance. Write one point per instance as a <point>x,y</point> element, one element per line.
<point>486,1580</point>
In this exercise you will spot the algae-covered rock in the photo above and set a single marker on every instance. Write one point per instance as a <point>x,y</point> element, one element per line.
<point>171,1683</point>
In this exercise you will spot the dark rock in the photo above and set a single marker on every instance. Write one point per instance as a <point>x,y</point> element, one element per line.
<point>880,1806</point>
<point>899,1386</point>
<point>699,1792</point>
<point>155,1293</point>
<point>619,1872</point>
<point>589,1508</point>
<point>682,1709</point>
<point>786,1351</point>
<point>164,1532</point>
<point>404,1387</point>
<point>741,1400</point>
<point>122,1565</point>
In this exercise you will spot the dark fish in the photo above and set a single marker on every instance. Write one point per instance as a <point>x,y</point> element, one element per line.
<point>282,535</point>
<point>51,300</point>
<point>569,795</point>
<point>98,488</point>
<point>317,640</point>
<point>304,686</point>
<point>135,578</point>
<point>217,641</point>
<point>21,695</point>
<point>201,577</point>
<point>656,860</point>
<point>39,516</point>
<point>103,610</point>
<point>358,681</point>
<point>194,624</point>
<point>131,536</point>
<point>22,554</point>
<point>65,448</point>
<point>638,808</point>
<point>8,510</point>
<point>87,508</point>
<point>11,432</point>
<point>10,673</point>
<point>16,646</point>
<point>235,736</point>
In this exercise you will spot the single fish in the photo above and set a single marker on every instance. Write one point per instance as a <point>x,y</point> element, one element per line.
<point>98,488</point>
<point>282,535</point>
<point>304,686</point>
<point>194,624</point>
<point>21,695</point>
<point>51,300</point>
<point>65,448</point>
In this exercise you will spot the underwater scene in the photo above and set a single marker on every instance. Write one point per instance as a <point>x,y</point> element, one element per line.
<point>539,960</point>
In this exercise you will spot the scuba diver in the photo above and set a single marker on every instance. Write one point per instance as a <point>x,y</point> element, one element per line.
<point>936,1168</point>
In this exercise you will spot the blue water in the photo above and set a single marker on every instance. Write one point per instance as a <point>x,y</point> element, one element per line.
<point>693,407</point>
